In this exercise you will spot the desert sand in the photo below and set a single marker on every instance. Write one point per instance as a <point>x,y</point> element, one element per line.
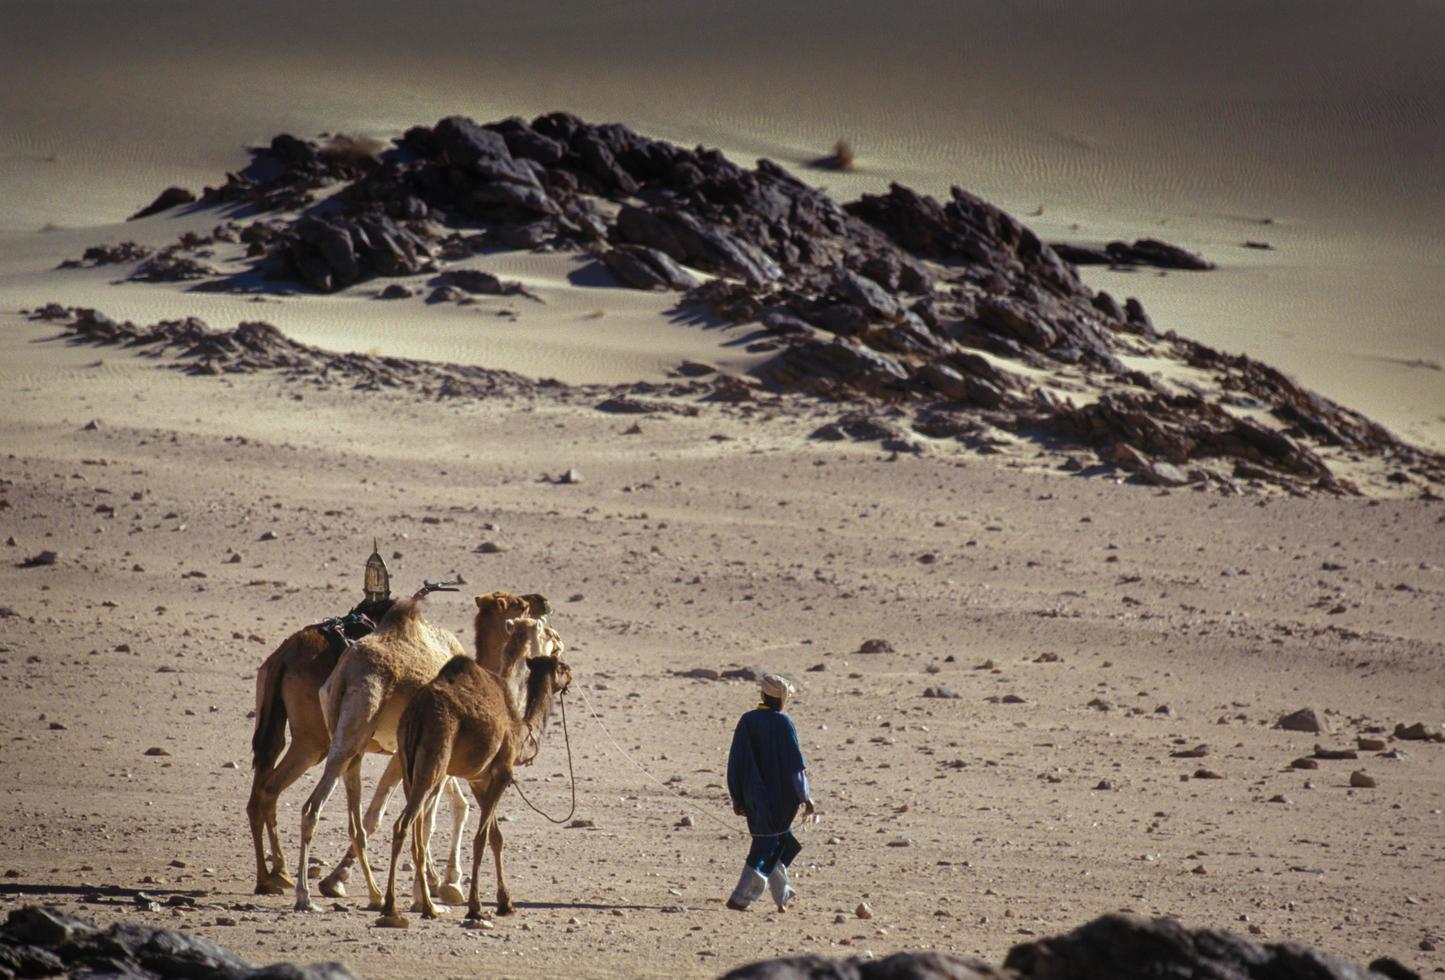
<point>1083,632</point>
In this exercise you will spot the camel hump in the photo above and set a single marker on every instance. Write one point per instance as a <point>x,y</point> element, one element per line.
<point>455,668</point>
<point>403,614</point>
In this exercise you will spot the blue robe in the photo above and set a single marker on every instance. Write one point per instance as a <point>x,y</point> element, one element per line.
<point>763,769</point>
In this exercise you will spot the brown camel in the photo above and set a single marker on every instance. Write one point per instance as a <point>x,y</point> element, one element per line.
<point>466,724</point>
<point>288,689</point>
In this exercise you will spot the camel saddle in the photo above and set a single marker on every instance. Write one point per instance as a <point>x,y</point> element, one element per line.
<point>359,622</point>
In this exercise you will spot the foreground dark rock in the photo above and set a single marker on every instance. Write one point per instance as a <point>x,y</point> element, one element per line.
<point>1112,947</point>
<point>949,313</point>
<point>40,942</point>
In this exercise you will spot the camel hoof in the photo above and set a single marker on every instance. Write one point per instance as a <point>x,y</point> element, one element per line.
<point>303,904</point>
<point>271,885</point>
<point>393,921</point>
<point>478,923</point>
<point>505,908</point>
<point>451,894</point>
<point>332,888</point>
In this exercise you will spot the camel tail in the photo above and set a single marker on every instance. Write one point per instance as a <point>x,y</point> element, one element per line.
<point>269,738</point>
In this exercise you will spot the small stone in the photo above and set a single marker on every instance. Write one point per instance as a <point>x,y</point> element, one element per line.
<point>1418,732</point>
<point>685,821</point>
<point>41,559</point>
<point>56,726</point>
<point>393,921</point>
<point>235,558</point>
<point>576,597</point>
<point>1303,763</point>
<point>581,823</point>
<point>1279,798</point>
<point>902,841</point>
<point>1366,743</point>
<point>92,425</point>
<point>1198,752</point>
<point>1428,945</point>
<point>1105,785</point>
<point>1362,780</point>
<point>941,692</point>
<point>492,548</point>
<point>863,911</point>
<point>840,918</point>
<point>570,477</point>
<point>835,840</point>
<point>1012,699</point>
<point>1207,774</point>
<point>485,924</point>
<point>225,920</point>
<point>228,765</point>
<point>156,750</point>
<point>1199,869</point>
<point>876,646</point>
<point>267,536</point>
<point>1303,720</point>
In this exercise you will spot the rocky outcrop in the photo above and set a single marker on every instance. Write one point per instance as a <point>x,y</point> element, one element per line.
<point>939,308</point>
<point>42,942</point>
<point>1112,947</point>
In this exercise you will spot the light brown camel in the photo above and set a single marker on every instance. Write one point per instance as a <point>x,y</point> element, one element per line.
<point>288,687</point>
<point>466,724</point>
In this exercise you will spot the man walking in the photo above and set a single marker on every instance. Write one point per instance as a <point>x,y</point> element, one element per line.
<point>768,781</point>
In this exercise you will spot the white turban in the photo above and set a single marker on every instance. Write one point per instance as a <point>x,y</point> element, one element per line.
<point>776,686</point>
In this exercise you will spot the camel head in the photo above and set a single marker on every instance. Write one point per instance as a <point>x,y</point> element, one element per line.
<point>561,672</point>
<point>552,641</point>
<point>493,611</point>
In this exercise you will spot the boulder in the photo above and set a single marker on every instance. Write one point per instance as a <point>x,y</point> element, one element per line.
<point>1126,947</point>
<point>646,268</point>
<point>1152,252</point>
<point>1303,720</point>
<point>42,942</point>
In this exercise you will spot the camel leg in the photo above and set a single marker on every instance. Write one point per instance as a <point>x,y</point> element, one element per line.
<point>399,831</point>
<point>309,815</point>
<point>451,892</point>
<point>421,834</point>
<point>334,884</point>
<point>266,789</point>
<point>488,792</point>
<point>354,726</point>
<point>358,830</point>
<point>504,896</point>
<point>474,903</point>
<point>427,828</point>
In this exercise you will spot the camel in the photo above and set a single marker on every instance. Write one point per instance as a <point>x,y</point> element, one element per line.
<point>288,689</point>
<point>467,724</point>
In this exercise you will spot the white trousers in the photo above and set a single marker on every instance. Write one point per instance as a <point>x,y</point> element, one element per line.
<point>751,885</point>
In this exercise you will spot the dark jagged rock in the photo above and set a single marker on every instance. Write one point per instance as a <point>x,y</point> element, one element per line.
<point>898,966</point>
<point>255,346</point>
<point>1125,947</point>
<point>169,198</point>
<point>98,255</point>
<point>646,268</point>
<point>331,254</point>
<point>1161,255</point>
<point>169,267</point>
<point>36,942</point>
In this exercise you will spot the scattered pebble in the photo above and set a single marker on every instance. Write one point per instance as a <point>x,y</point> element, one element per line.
<point>156,750</point>
<point>863,911</point>
<point>1362,780</point>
